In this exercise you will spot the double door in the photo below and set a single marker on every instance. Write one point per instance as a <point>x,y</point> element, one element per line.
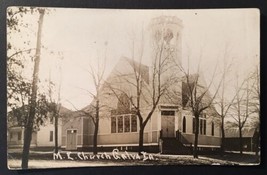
<point>168,125</point>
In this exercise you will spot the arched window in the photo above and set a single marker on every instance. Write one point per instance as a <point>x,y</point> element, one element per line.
<point>168,36</point>
<point>184,124</point>
<point>212,128</point>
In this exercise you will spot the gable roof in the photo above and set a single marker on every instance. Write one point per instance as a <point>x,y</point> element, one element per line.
<point>141,68</point>
<point>234,132</point>
<point>17,117</point>
<point>124,66</point>
<point>63,110</point>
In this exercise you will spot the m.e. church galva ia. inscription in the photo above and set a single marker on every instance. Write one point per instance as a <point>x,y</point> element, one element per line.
<point>115,155</point>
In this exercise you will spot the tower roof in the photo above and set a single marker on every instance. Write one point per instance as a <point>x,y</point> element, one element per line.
<point>166,20</point>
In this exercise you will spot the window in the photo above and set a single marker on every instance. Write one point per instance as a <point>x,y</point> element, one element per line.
<point>51,120</point>
<point>19,135</point>
<point>168,35</point>
<point>134,123</point>
<point>51,136</point>
<point>124,123</point>
<point>167,112</point>
<point>205,125</point>
<point>212,129</point>
<point>120,124</point>
<point>113,124</point>
<point>184,124</point>
<point>201,126</point>
<point>127,123</point>
<point>194,125</point>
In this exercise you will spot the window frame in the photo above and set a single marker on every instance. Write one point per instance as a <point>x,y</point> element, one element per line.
<point>212,128</point>
<point>184,124</point>
<point>116,129</point>
<point>51,136</point>
<point>51,120</point>
<point>132,115</point>
<point>133,128</point>
<point>124,123</point>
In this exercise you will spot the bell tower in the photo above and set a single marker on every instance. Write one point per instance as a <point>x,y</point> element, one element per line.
<point>166,41</point>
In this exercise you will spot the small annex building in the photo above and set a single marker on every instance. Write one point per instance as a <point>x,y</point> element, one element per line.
<point>250,137</point>
<point>43,137</point>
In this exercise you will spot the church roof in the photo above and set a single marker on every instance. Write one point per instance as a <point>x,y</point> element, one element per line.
<point>139,67</point>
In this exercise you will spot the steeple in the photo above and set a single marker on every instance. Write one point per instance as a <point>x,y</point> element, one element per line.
<point>166,34</point>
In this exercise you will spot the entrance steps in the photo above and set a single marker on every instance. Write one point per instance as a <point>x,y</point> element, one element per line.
<point>174,146</point>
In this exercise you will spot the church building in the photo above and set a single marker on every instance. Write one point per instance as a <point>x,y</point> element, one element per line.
<point>171,128</point>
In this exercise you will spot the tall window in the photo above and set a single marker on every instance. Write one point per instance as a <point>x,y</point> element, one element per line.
<point>123,123</point>
<point>51,120</point>
<point>113,124</point>
<point>134,123</point>
<point>184,124</point>
<point>205,125</point>
<point>127,123</point>
<point>212,128</point>
<point>201,126</point>
<point>120,124</point>
<point>51,136</point>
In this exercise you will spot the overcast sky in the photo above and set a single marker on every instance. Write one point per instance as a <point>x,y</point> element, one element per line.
<point>85,35</point>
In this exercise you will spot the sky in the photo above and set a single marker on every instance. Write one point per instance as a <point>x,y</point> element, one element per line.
<point>80,37</point>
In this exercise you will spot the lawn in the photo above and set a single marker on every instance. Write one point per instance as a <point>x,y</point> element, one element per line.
<point>80,159</point>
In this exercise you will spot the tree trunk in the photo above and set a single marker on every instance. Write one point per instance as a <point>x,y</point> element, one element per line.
<point>30,120</point>
<point>223,137</point>
<point>95,138</point>
<point>195,152</point>
<point>26,144</point>
<point>141,139</point>
<point>96,128</point>
<point>240,141</point>
<point>257,142</point>
<point>56,132</point>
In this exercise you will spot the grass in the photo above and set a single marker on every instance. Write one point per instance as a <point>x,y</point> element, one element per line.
<point>45,160</point>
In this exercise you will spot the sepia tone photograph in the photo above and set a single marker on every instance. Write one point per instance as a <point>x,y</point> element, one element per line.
<point>113,87</point>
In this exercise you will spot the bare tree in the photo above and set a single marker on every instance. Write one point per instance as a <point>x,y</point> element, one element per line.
<point>92,111</point>
<point>255,104</point>
<point>55,105</point>
<point>222,103</point>
<point>241,110</point>
<point>198,97</point>
<point>145,92</point>
<point>94,108</point>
